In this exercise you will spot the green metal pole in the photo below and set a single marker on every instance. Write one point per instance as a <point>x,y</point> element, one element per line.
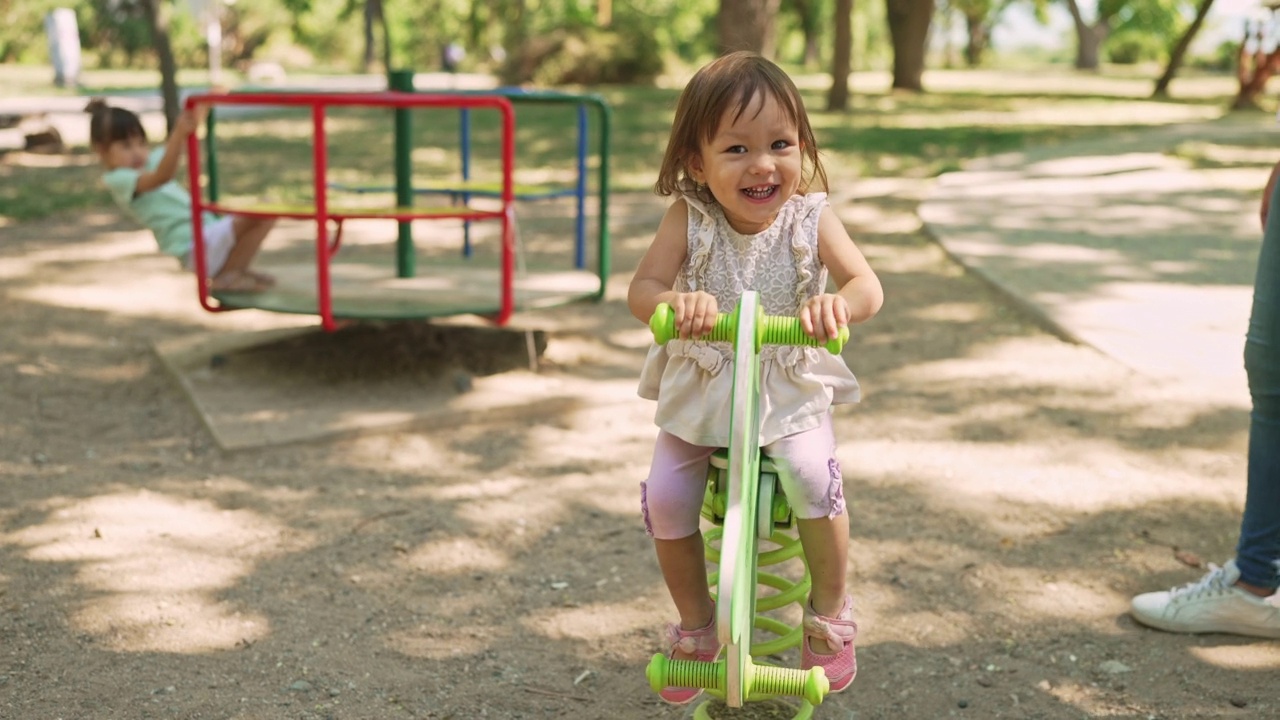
<point>402,80</point>
<point>211,159</point>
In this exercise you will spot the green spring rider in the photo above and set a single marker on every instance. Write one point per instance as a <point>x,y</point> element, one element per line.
<point>745,500</point>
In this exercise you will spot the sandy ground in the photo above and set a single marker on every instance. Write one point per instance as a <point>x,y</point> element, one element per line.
<point>1009,493</point>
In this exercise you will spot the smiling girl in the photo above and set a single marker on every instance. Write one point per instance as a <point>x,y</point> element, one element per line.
<point>742,161</point>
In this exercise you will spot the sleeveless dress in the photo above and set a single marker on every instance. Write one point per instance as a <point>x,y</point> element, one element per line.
<point>692,380</point>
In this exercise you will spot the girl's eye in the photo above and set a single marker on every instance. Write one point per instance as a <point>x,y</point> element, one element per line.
<point>781,144</point>
<point>737,149</point>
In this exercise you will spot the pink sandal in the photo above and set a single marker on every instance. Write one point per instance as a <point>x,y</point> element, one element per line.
<point>839,632</point>
<point>702,644</point>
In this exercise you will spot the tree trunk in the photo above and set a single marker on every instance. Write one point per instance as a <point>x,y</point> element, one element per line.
<point>841,57</point>
<point>1253,72</point>
<point>747,25</point>
<point>809,24</point>
<point>157,12</point>
<point>1089,38</point>
<point>386,35</point>
<point>909,32</point>
<point>1180,50</point>
<point>976,43</point>
<point>369,15</point>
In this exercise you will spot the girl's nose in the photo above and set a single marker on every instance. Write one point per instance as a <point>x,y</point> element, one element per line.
<point>762,163</point>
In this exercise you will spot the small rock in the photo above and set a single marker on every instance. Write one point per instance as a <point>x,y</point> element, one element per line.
<point>985,682</point>
<point>962,704</point>
<point>1114,667</point>
<point>1238,702</point>
<point>300,686</point>
<point>559,585</point>
<point>462,381</point>
<point>40,458</point>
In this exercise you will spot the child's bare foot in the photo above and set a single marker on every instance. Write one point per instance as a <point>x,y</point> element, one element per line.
<point>264,278</point>
<point>238,281</point>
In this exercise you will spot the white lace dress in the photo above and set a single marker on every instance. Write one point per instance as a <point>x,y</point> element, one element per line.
<point>692,380</point>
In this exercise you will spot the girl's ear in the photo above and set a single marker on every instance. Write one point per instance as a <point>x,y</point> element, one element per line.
<point>694,168</point>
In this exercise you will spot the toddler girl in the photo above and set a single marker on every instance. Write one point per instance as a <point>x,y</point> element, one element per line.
<point>141,181</point>
<point>741,160</point>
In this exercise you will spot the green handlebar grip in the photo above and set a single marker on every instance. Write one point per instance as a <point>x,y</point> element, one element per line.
<point>761,681</point>
<point>773,330</point>
<point>770,681</point>
<point>664,672</point>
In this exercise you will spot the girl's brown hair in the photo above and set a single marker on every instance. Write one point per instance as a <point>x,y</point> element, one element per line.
<point>109,124</point>
<point>730,82</point>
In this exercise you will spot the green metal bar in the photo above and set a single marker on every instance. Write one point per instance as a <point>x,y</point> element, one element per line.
<point>402,80</point>
<point>211,161</point>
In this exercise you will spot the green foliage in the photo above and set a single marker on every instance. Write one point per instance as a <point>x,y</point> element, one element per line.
<point>22,37</point>
<point>586,56</point>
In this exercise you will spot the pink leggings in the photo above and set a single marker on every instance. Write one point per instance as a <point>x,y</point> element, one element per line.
<point>672,496</point>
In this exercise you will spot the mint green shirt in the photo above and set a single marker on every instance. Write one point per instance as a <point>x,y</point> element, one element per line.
<point>165,211</point>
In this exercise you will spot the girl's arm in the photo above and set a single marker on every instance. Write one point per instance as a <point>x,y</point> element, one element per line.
<point>859,294</point>
<point>695,313</point>
<point>167,168</point>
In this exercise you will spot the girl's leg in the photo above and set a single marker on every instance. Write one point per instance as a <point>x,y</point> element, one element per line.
<point>249,232</point>
<point>671,500</point>
<point>826,549</point>
<point>1258,551</point>
<point>811,478</point>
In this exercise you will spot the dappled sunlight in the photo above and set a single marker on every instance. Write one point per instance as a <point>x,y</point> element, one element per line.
<point>1250,655</point>
<point>1088,477</point>
<point>955,312</point>
<point>108,246</point>
<point>1063,599</point>
<point>150,568</point>
<point>455,556</point>
<point>595,621</point>
<point>935,628</point>
<point>442,643</point>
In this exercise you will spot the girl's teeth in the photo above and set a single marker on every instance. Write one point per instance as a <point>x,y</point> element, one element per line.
<point>759,192</point>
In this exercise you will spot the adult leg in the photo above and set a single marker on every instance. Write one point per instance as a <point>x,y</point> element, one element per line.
<point>1258,551</point>
<point>1230,599</point>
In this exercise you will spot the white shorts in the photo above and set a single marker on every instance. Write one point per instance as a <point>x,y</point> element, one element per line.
<point>219,238</point>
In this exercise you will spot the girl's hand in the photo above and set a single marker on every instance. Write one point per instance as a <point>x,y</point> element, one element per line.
<point>822,317</point>
<point>695,314</point>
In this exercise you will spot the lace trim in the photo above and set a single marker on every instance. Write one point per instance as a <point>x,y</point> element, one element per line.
<point>702,234</point>
<point>804,226</point>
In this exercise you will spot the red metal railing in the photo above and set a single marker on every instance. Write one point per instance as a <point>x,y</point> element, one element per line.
<point>325,250</point>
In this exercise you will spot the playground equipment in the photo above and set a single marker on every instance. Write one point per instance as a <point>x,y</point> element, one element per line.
<point>368,292</point>
<point>744,497</point>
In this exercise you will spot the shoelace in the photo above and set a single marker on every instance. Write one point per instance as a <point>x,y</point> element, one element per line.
<point>1214,582</point>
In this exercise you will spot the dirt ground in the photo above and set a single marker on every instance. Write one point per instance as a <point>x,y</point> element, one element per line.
<point>1009,493</point>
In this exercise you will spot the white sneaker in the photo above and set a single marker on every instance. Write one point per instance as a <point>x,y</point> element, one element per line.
<point>1209,605</point>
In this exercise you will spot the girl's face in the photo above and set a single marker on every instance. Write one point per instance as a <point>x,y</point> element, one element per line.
<point>752,165</point>
<point>130,152</point>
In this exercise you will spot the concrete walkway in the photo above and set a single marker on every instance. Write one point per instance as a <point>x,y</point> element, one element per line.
<point>1123,245</point>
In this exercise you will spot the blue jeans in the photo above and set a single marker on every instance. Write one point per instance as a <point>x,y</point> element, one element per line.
<point>1258,552</point>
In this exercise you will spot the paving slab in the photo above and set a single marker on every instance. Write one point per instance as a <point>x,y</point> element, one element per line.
<point>1120,244</point>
